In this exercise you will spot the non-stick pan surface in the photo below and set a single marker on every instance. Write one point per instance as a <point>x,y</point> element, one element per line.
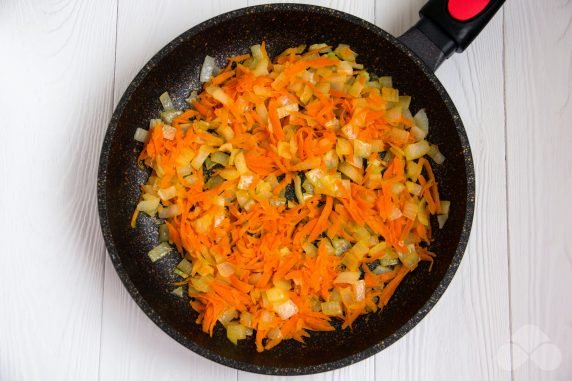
<point>176,69</point>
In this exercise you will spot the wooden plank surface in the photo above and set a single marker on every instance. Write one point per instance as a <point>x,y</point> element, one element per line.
<point>56,80</point>
<point>460,336</point>
<point>539,114</point>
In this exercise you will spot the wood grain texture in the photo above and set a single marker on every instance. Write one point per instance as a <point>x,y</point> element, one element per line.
<point>132,346</point>
<point>56,78</point>
<point>460,336</point>
<point>539,113</point>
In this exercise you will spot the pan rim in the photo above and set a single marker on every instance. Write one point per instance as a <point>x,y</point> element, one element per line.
<point>264,369</point>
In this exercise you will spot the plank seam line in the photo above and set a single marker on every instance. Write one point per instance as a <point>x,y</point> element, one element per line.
<point>506,167</point>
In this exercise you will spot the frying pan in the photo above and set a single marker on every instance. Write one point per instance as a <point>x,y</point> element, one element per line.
<point>444,27</point>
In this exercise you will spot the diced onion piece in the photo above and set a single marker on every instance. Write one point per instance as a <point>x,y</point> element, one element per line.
<point>445,206</point>
<point>284,111</point>
<point>331,308</point>
<point>201,156</point>
<point>180,273</point>
<point>416,150</point>
<point>404,101</point>
<point>169,132</point>
<point>410,209</point>
<point>422,215</point>
<point>395,214</point>
<point>219,94</point>
<point>185,266</point>
<point>340,245</point>
<point>418,133</point>
<point>310,249</point>
<point>350,171</point>
<point>141,135</point>
<point>227,316</point>
<point>413,170</point>
<point>245,182</point>
<point>170,211</point>
<point>167,193</point>
<point>149,206</point>
<point>381,270</point>
<point>163,233</point>
<point>359,290</point>
<point>414,188</point>
<point>422,121</point>
<point>159,251</point>
<point>343,147</point>
<point>347,277</point>
<point>276,295</point>
<point>441,219</point>
<point>331,160</point>
<point>399,135</point>
<point>192,96</point>
<point>240,163</point>
<point>166,101</point>
<point>208,69</point>
<point>409,258</point>
<point>345,67</point>
<point>344,52</point>
<point>220,158</point>
<point>246,319</point>
<point>178,292</point>
<point>385,82</point>
<point>225,269</point>
<point>378,248</point>
<point>435,154</point>
<point>235,332</point>
<point>362,149</point>
<point>169,115</point>
<point>389,94</point>
<point>397,188</point>
<point>286,310</point>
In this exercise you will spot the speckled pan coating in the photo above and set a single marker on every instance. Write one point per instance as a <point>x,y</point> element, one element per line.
<point>175,69</point>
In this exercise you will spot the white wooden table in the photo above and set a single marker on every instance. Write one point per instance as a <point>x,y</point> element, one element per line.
<point>66,316</point>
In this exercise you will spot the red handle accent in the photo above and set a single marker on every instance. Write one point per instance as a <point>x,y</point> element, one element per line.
<point>464,10</point>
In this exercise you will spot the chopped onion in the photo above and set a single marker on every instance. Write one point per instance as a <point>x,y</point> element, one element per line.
<point>166,101</point>
<point>276,295</point>
<point>340,245</point>
<point>141,135</point>
<point>163,233</point>
<point>445,206</point>
<point>351,172</point>
<point>416,150</point>
<point>225,269</point>
<point>435,154</point>
<point>169,132</point>
<point>208,69</point>
<point>347,277</point>
<point>286,310</point>
<point>410,209</point>
<point>159,251</point>
<point>170,211</point>
<point>178,292</point>
<point>422,121</point>
<point>185,266</point>
<point>167,193</point>
<point>359,290</point>
<point>441,219</point>
<point>331,308</point>
<point>414,188</point>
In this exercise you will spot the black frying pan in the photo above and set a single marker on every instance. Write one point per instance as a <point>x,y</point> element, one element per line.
<point>410,60</point>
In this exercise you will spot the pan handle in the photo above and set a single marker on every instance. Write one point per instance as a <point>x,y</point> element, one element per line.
<point>448,26</point>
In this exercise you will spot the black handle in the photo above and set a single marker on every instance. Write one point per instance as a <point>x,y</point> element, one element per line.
<point>448,26</point>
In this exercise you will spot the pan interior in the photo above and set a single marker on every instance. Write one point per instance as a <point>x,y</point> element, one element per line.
<point>176,70</point>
